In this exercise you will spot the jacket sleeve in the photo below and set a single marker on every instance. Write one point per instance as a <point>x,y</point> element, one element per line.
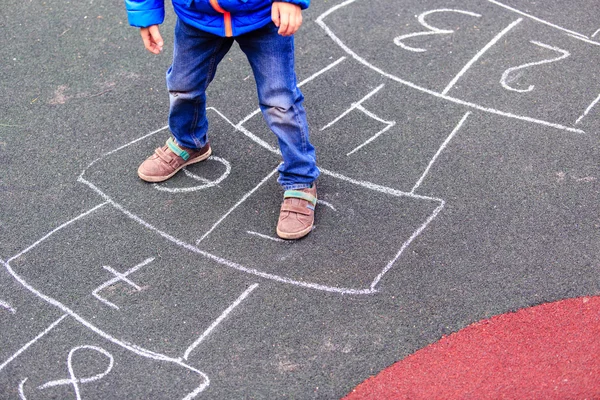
<point>302,3</point>
<point>143,13</point>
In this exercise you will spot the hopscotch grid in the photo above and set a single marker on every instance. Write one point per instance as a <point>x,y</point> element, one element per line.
<point>31,342</point>
<point>480,54</point>
<point>221,318</point>
<point>121,343</point>
<point>263,236</point>
<point>394,78</point>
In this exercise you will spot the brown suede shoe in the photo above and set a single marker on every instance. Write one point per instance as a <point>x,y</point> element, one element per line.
<point>297,214</point>
<point>169,159</point>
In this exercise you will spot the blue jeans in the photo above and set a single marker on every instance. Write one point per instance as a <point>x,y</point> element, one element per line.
<point>271,56</point>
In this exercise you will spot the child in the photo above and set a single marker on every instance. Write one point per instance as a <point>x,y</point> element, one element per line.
<point>204,33</point>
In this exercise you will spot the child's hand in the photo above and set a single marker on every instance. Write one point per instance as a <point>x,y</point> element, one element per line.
<point>152,39</point>
<point>287,17</point>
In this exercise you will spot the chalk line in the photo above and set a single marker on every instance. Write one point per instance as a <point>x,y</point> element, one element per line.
<point>38,337</point>
<point>128,346</point>
<point>584,40</point>
<point>595,33</point>
<point>326,204</point>
<point>588,109</point>
<point>207,183</point>
<point>406,244</point>
<point>535,18</point>
<point>274,239</point>
<point>389,124</point>
<point>219,320</point>
<point>236,205</point>
<point>361,60</point>
<point>442,147</point>
<point>8,307</point>
<point>480,54</point>
<point>353,106</point>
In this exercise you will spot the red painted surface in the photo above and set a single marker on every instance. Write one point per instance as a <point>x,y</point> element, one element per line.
<point>550,351</point>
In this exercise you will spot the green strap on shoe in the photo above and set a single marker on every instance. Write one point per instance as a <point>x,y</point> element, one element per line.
<point>177,150</point>
<point>297,194</point>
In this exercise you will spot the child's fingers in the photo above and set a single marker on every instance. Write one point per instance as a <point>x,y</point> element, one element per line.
<point>275,14</point>
<point>153,42</point>
<point>156,37</point>
<point>284,24</point>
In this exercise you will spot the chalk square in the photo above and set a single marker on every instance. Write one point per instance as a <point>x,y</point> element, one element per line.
<point>358,232</point>
<point>164,297</point>
<point>196,197</point>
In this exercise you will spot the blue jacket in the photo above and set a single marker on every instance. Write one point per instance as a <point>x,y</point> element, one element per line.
<point>219,17</point>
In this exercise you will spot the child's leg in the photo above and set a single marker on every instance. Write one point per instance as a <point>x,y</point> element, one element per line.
<point>272,59</point>
<point>195,58</point>
<point>196,55</point>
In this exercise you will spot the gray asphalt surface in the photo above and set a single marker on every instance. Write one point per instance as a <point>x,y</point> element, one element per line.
<point>460,181</point>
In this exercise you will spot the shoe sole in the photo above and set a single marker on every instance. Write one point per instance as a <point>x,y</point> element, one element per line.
<point>294,235</point>
<point>156,179</point>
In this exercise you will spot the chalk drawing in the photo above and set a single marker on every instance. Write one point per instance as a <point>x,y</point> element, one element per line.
<point>595,33</point>
<point>358,106</point>
<point>207,183</point>
<point>34,340</point>
<point>354,55</point>
<point>481,52</point>
<point>274,239</point>
<point>505,76</point>
<point>74,380</point>
<point>326,204</point>
<point>432,29</point>
<point>119,277</point>
<point>535,18</point>
<point>584,40</point>
<point>587,110</point>
<point>437,154</point>
<point>219,320</point>
<point>7,306</point>
<point>122,343</point>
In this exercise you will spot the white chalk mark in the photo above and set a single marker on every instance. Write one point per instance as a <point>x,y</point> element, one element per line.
<point>22,389</point>
<point>74,380</point>
<point>505,76</point>
<point>585,40</point>
<point>59,228</point>
<point>361,60</point>
<point>437,154</point>
<point>232,264</point>
<point>35,339</point>
<point>219,320</point>
<point>353,106</point>
<point>119,277</point>
<point>432,29</point>
<point>535,18</point>
<point>247,133</point>
<point>274,239</point>
<point>305,81</point>
<point>480,54</point>
<point>8,307</point>
<point>389,125</point>
<point>406,244</point>
<point>237,205</point>
<point>587,110</point>
<point>124,344</point>
<point>595,33</point>
<point>327,204</point>
<point>124,146</point>
<point>207,183</point>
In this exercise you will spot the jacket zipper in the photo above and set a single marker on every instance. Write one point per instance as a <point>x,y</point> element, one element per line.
<point>226,17</point>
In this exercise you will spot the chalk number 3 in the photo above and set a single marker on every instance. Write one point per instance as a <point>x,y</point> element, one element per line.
<point>432,30</point>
